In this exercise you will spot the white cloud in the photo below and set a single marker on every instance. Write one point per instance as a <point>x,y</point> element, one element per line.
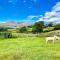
<point>31,18</point>
<point>53,15</point>
<point>54,19</point>
<point>56,7</point>
<point>49,14</point>
<point>2,22</point>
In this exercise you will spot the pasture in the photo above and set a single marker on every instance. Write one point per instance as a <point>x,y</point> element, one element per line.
<point>29,48</point>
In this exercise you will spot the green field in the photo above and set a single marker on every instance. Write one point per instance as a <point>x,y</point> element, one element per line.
<point>29,48</point>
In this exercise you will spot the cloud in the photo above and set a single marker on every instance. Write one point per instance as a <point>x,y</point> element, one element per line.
<point>53,15</point>
<point>49,14</point>
<point>56,7</point>
<point>2,22</point>
<point>34,18</point>
<point>31,18</point>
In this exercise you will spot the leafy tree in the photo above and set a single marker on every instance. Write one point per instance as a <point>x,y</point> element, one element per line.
<point>38,27</point>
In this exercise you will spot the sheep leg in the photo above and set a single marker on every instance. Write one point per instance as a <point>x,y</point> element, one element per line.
<point>46,41</point>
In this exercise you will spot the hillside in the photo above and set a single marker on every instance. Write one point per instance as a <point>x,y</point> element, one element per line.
<point>14,24</point>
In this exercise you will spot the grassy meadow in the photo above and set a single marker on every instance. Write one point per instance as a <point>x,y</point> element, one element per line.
<point>29,47</point>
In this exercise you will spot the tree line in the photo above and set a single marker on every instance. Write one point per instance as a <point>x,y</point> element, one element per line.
<point>37,27</point>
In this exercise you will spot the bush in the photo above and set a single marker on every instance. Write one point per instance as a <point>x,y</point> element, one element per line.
<point>46,30</point>
<point>8,35</point>
<point>23,30</point>
<point>57,27</point>
<point>3,29</point>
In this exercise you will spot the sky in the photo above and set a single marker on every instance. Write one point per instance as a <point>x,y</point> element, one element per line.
<point>30,10</point>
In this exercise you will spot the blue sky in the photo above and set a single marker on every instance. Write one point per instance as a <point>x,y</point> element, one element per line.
<point>27,10</point>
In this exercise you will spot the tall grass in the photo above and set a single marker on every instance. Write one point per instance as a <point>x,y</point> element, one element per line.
<point>29,47</point>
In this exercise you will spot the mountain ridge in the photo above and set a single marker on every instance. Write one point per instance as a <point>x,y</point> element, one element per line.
<point>15,24</point>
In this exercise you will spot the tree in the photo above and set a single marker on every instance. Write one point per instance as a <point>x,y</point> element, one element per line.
<point>38,27</point>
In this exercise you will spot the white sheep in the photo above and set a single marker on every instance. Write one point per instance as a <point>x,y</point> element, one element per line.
<point>52,38</point>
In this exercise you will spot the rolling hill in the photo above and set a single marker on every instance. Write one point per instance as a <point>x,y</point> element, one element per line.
<point>14,24</point>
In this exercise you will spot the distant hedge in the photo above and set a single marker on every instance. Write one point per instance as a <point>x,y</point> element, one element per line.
<point>7,35</point>
<point>3,29</point>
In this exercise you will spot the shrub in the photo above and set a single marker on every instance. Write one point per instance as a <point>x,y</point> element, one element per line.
<point>3,29</point>
<point>57,27</point>
<point>46,30</point>
<point>23,30</point>
<point>8,35</point>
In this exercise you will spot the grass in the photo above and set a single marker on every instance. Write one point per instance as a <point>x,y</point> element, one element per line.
<point>48,28</point>
<point>29,48</point>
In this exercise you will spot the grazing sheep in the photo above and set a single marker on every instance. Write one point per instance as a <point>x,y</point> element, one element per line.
<point>52,38</point>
